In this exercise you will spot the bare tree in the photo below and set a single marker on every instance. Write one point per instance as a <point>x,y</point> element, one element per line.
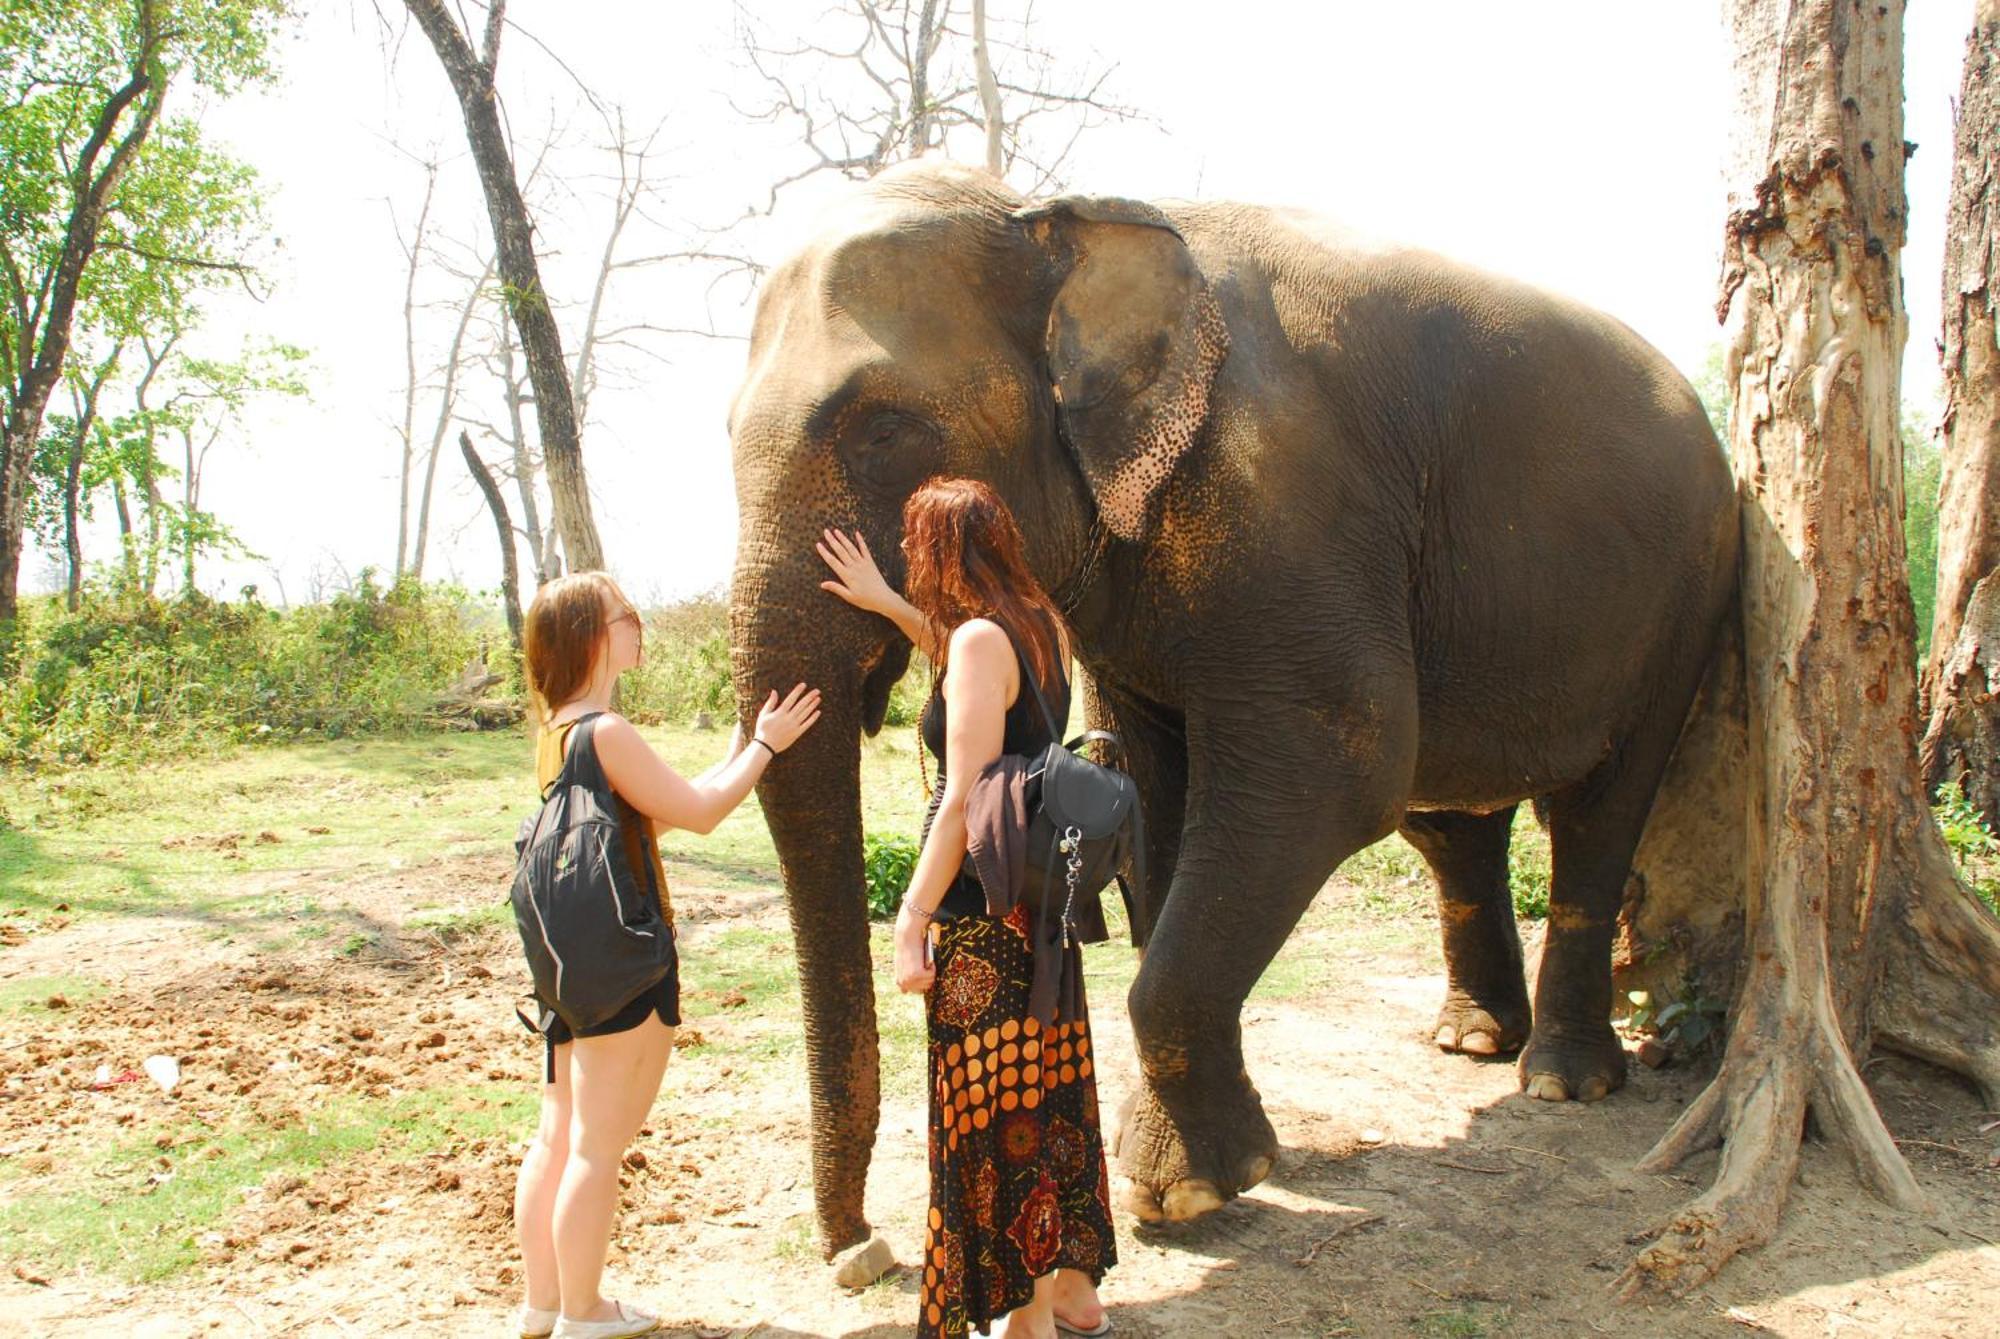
<point>886,80</point>
<point>447,407</point>
<point>989,93</point>
<point>1856,929</point>
<point>510,572</point>
<point>1961,684</point>
<point>413,252</point>
<point>472,78</point>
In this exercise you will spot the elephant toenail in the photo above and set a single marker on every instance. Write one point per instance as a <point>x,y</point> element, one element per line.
<point>1547,1088</point>
<point>1142,1204</point>
<point>1188,1200</point>
<point>1478,1043</point>
<point>1594,1090</point>
<point>1447,1039</point>
<point>1254,1174</point>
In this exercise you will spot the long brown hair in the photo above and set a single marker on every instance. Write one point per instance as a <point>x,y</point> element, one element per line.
<point>965,560</point>
<point>563,636</point>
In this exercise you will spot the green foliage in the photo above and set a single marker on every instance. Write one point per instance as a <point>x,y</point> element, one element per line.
<point>1711,387</point>
<point>887,863</point>
<point>132,679</point>
<point>181,209</point>
<point>685,672</point>
<point>1921,471</point>
<point>1972,843</point>
<point>1687,1022</point>
<point>1528,867</point>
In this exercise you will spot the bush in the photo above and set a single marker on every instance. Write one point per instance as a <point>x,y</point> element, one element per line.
<point>124,679</point>
<point>887,863</point>
<point>686,669</point>
<point>1972,843</point>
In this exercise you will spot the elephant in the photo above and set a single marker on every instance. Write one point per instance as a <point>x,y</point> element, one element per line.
<point>1352,538</point>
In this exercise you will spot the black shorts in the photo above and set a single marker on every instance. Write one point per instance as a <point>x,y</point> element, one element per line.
<point>663,999</point>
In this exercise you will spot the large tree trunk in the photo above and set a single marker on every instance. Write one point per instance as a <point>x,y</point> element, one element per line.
<point>513,236</point>
<point>1847,881</point>
<point>1961,685</point>
<point>510,573</point>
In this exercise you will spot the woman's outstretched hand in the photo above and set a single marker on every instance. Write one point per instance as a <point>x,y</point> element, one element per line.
<point>858,580</point>
<point>779,724</point>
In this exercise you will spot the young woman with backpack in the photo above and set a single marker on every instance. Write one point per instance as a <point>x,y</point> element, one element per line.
<point>600,1080</point>
<point>1020,1216</point>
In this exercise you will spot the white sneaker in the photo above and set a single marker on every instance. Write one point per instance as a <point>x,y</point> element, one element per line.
<point>628,1324</point>
<point>537,1323</point>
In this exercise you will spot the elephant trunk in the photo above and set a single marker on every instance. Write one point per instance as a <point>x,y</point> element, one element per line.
<point>811,799</point>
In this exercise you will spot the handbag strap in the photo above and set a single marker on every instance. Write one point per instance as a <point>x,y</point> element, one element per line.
<point>1028,677</point>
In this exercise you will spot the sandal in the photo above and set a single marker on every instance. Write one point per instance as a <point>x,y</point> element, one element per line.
<point>1069,1331</point>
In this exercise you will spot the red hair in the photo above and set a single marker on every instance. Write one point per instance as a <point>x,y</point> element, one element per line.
<point>965,560</point>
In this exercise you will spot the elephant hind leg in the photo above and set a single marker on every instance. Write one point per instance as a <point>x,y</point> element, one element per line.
<point>1485,1009</point>
<point>1594,829</point>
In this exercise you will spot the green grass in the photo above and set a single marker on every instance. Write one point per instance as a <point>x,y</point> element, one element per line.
<point>121,1214</point>
<point>30,994</point>
<point>1472,1321</point>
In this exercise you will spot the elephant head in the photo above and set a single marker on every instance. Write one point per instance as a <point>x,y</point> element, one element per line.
<point>938,324</point>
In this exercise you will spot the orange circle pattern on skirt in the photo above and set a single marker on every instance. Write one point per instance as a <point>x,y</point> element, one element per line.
<point>1018,1179</point>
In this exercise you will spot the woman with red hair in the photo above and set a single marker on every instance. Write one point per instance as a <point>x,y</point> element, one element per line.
<point>1020,1215</point>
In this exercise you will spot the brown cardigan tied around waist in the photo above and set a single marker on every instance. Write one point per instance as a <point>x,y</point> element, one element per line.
<point>996,851</point>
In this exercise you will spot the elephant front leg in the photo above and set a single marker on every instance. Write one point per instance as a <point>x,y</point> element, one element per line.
<point>1252,857</point>
<point>1485,1010</point>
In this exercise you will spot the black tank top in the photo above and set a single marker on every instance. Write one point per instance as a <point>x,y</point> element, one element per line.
<point>1026,733</point>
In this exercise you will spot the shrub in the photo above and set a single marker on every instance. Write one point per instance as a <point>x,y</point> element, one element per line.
<point>887,863</point>
<point>1972,843</point>
<point>125,679</point>
<point>686,669</point>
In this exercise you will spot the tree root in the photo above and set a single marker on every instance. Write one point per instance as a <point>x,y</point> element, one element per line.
<point>1939,997</point>
<point>1787,1054</point>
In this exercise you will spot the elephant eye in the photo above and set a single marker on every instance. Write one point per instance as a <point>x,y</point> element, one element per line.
<point>890,448</point>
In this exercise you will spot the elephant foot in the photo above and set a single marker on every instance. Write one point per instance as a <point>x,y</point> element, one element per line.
<point>859,1266</point>
<point>1176,1178</point>
<point>1472,1026</point>
<point>1583,1066</point>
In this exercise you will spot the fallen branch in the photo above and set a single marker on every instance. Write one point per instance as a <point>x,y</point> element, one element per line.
<point>1351,1225</point>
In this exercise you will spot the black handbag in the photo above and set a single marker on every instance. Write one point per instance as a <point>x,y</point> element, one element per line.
<point>593,935</point>
<point>1085,823</point>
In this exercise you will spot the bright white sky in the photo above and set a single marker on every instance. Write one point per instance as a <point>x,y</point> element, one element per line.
<point>1573,143</point>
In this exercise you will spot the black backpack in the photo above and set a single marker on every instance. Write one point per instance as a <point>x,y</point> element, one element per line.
<point>594,937</point>
<point>1085,824</point>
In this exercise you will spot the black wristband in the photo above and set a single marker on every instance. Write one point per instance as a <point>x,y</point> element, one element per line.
<point>767,748</point>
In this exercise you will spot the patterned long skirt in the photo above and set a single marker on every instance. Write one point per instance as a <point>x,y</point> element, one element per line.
<point>1018,1182</point>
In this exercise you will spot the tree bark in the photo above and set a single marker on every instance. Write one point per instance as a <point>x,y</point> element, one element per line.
<point>989,91</point>
<point>1848,886</point>
<point>1961,684</point>
<point>86,422</point>
<point>510,573</point>
<point>527,301</point>
<point>40,352</point>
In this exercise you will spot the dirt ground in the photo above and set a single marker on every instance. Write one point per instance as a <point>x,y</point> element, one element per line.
<point>1417,1192</point>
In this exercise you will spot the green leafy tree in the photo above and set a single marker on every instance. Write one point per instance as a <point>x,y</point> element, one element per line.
<point>113,215</point>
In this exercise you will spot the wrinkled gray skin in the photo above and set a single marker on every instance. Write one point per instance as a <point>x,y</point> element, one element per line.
<point>1392,544</point>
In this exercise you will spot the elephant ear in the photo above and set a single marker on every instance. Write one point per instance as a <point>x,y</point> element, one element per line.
<point>1134,339</point>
